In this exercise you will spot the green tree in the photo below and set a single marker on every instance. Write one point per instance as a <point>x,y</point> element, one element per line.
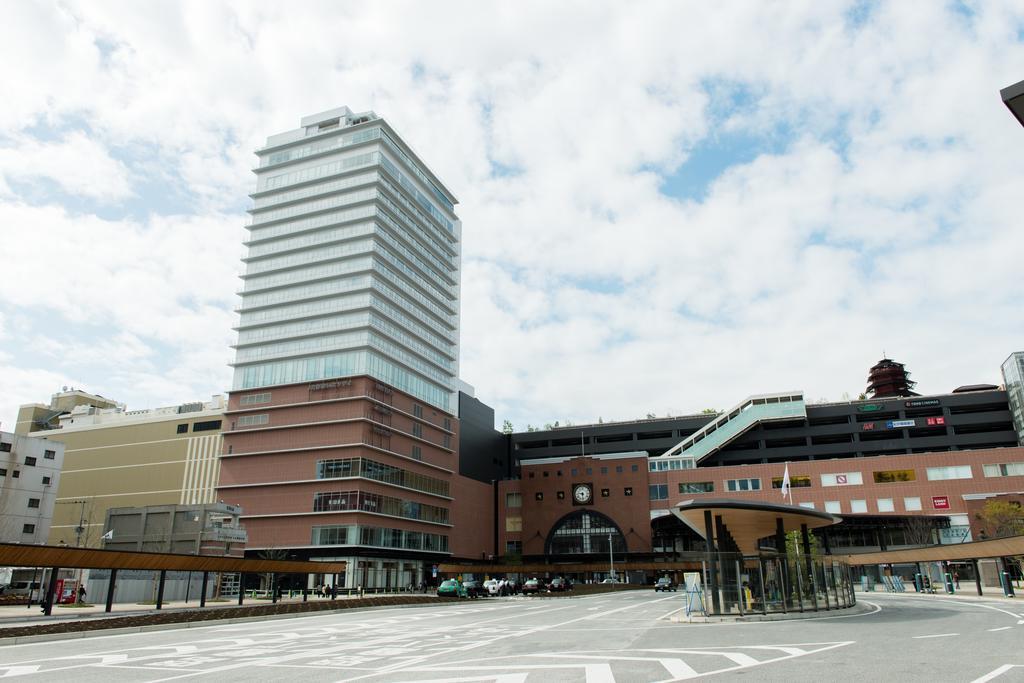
<point>1002,518</point>
<point>709,411</point>
<point>651,416</point>
<point>506,427</point>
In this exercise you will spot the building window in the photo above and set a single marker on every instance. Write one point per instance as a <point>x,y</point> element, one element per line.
<point>952,472</point>
<point>15,474</point>
<point>634,468</point>
<point>208,426</point>
<point>743,484</point>
<point>417,453</point>
<point>547,474</point>
<point>590,470</point>
<point>605,493</point>
<point>5,447</point>
<point>513,524</point>
<point>618,469</point>
<point>890,476</point>
<point>530,475</point>
<point>558,473</point>
<point>28,529</point>
<point>795,482</point>
<point>585,532</point>
<point>575,472</point>
<point>49,455</point>
<point>253,399</point>
<point>538,496</point>
<point>809,506</point>
<point>842,479</point>
<point>1009,469</point>
<point>885,505</point>
<point>447,440</point>
<point>628,491</point>
<point>513,500</point>
<point>448,424</point>
<point>3,473</point>
<point>697,487</point>
<point>604,470</point>
<point>912,504</point>
<point>833,506</point>
<point>182,429</point>
<point>417,410</point>
<point>46,481</point>
<point>513,547</point>
<point>33,502</point>
<point>250,420</point>
<point>858,506</point>
<point>29,460</point>
<point>417,429</point>
<point>658,491</point>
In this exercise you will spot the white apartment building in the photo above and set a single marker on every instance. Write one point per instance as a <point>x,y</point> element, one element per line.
<point>29,476</point>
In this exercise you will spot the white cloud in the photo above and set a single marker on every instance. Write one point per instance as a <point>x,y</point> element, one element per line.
<point>876,215</point>
<point>79,165</point>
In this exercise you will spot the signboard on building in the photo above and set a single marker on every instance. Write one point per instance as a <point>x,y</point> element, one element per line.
<point>921,403</point>
<point>932,421</point>
<point>940,502</point>
<point>870,407</point>
<point>956,533</point>
<point>899,424</point>
<point>867,426</point>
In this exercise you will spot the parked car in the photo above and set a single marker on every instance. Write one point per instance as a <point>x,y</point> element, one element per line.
<point>499,587</point>
<point>664,584</point>
<point>557,585</point>
<point>611,580</point>
<point>474,589</point>
<point>531,587</point>
<point>451,588</point>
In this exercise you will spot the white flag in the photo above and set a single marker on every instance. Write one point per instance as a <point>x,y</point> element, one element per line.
<point>109,536</point>
<point>785,484</point>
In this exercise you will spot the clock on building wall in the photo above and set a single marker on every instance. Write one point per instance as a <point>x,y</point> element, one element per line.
<point>582,494</point>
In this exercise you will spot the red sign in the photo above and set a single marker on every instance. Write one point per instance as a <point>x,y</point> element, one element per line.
<point>940,502</point>
<point>868,425</point>
<point>936,421</point>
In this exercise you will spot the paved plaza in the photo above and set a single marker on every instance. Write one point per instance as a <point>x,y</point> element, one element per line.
<point>628,636</point>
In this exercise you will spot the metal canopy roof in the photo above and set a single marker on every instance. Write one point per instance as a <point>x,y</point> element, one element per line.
<point>748,521</point>
<point>16,555</point>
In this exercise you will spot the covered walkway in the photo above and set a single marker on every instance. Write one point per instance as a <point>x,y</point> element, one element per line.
<point>56,558</point>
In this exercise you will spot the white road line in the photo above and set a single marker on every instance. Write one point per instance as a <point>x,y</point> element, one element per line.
<point>996,672</point>
<point>1001,628</point>
<point>677,668</point>
<point>938,635</point>
<point>956,602</point>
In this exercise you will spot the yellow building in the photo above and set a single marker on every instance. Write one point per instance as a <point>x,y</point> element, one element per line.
<point>117,458</point>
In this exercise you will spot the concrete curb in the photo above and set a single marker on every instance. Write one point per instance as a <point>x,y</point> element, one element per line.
<point>855,610</point>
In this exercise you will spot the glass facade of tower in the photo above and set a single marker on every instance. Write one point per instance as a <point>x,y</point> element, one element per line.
<point>1013,378</point>
<point>353,263</point>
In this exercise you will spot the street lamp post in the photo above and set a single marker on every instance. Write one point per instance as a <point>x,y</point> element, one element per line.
<point>611,558</point>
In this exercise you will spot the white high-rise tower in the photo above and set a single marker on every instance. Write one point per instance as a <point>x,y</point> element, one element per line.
<point>353,263</point>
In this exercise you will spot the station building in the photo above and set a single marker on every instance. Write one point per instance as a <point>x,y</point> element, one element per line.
<point>900,470</point>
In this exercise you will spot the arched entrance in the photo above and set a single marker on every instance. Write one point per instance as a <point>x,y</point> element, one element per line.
<point>584,532</point>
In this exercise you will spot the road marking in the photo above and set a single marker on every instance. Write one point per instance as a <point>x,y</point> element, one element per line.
<point>956,602</point>
<point>996,672</point>
<point>939,635</point>
<point>677,668</point>
<point>19,670</point>
<point>1001,628</point>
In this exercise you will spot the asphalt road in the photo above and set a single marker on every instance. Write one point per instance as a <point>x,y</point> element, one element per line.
<point>629,636</point>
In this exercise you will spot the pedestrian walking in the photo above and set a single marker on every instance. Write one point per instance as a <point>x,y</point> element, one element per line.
<point>956,579</point>
<point>81,594</point>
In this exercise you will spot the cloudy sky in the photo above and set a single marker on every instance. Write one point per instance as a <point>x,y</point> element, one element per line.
<point>667,206</point>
